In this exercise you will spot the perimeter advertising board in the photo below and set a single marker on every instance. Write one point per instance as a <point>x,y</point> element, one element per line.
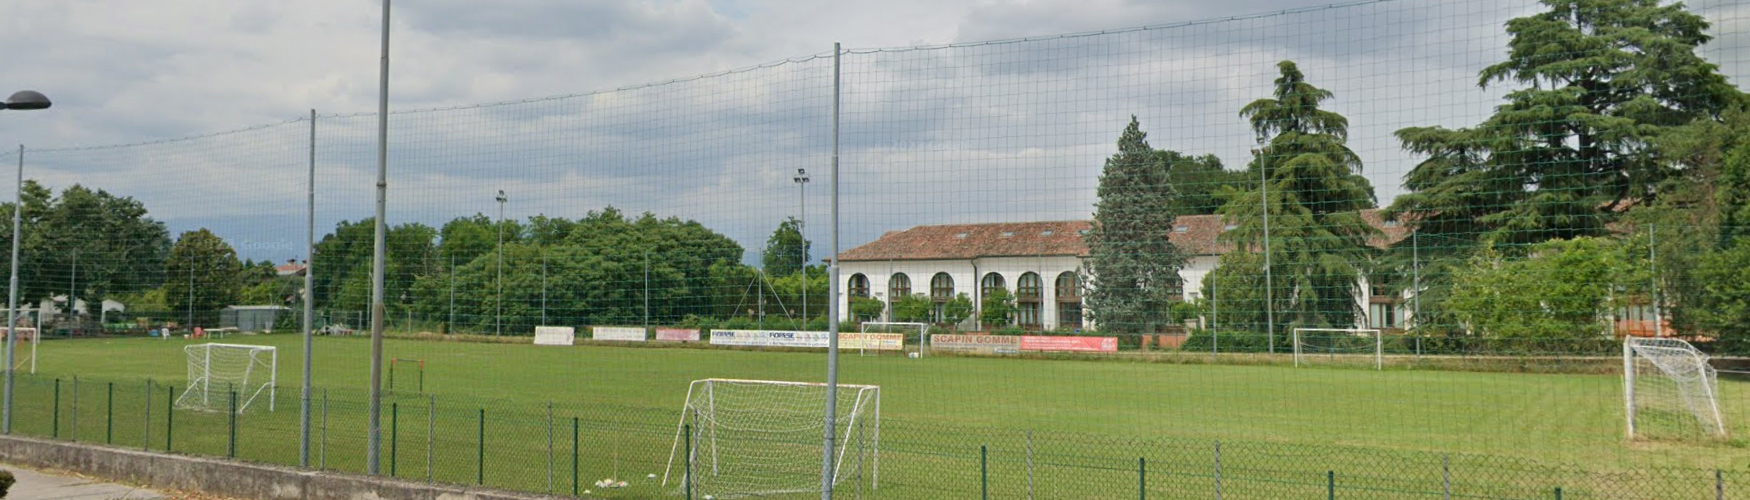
<point>677,334</point>
<point>976,344</point>
<point>554,335</point>
<point>621,333</point>
<point>1069,344</point>
<point>818,340</point>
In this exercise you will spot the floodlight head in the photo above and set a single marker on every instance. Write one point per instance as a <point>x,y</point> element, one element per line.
<point>26,100</point>
<point>501,197</point>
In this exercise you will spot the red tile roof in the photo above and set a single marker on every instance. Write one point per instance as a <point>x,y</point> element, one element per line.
<point>1012,239</point>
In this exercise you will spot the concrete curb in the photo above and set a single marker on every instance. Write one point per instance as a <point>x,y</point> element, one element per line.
<point>230,478</point>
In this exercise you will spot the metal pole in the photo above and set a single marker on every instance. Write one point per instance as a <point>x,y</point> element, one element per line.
<point>12,295</point>
<point>498,314</point>
<point>1446,477</point>
<point>832,346</point>
<point>480,457</point>
<point>1141,478</point>
<point>430,433</point>
<point>1416,284</point>
<point>309,300</point>
<point>1653,257</point>
<point>983,472</point>
<point>109,415</point>
<point>647,293</point>
<point>1218,470</point>
<point>802,247</point>
<point>1029,464</point>
<point>543,285</point>
<point>452,322</point>
<point>1269,283</point>
<point>374,442</point>
<point>190,307</point>
<point>394,435</point>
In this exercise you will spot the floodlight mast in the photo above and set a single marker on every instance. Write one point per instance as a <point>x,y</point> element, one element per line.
<point>23,100</point>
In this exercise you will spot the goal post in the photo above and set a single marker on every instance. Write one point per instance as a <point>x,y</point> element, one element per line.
<point>215,370</point>
<point>1335,343</point>
<point>760,437</point>
<point>1669,389</point>
<point>922,329</point>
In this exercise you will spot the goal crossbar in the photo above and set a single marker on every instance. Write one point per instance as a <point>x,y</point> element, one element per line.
<point>1378,342</point>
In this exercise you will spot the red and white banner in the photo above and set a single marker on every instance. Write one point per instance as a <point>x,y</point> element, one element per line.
<point>1069,344</point>
<point>677,334</point>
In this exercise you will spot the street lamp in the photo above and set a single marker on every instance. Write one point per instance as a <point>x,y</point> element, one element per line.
<point>23,100</point>
<point>801,180</point>
<point>499,314</point>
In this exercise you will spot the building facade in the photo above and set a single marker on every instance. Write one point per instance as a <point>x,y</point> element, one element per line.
<point>1043,265</point>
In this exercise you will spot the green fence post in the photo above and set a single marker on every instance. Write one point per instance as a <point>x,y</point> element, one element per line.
<point>983,472</point>
<point>480,457</point>
<point>1331,485</point>
<point>231,418</point>
<point>687,478</point>
<point>56,433</point>
<point>394,434</point>
<point>574,456</point>
<point>169,415</point>
<point>1141,478</point>
<point>146,418</point>
<point>73,424</point>
<point>109,416</point>
<point>1558,493</point>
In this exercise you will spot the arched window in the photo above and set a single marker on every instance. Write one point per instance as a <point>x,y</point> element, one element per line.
<point>1069,300</point>
<point>1027,295</point>
<point>1068,286</point>
<point>942,287</point>
<point>992,281</point>
<point>898,286</point>
<point>859,285</point>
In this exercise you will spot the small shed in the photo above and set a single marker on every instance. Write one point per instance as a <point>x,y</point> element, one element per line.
<point>251,318</point>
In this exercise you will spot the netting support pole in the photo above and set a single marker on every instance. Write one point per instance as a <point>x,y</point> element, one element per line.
<point>1653,259</point>
<point>309,305</point>
<point>1269,284</point>
<point>832,335</point>
<point>374,438</point>
<point>1628,385</point>
<point>12,297</point>
<point>109,415</point>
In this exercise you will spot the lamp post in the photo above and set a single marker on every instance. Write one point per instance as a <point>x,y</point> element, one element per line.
<point>801,180</point>
<point>24,100</point>
<point>498,315</point>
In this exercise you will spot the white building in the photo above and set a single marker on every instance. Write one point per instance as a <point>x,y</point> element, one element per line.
<point>1041,264</point>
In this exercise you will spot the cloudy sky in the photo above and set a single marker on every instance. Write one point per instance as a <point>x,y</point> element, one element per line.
<point>705,109</point>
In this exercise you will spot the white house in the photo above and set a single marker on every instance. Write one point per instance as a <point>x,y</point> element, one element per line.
<point>1041,264</point>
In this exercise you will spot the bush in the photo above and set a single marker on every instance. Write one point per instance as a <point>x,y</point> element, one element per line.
<point>6,481</point>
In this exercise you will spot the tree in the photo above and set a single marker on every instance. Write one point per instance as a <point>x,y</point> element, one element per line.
<point>1567,290</point>
<point>1134,269</point>
<point>956,310</point>
<point>101,243</point>
<point>996,308</point>
<point>866,309</point>
<point>914,308</point>
<point>1722,302</point>
<point>1317,237</point>
<point>786,249</point>
<point>1200,184</point>
<point>1606,81</point>
<point>205,262</point>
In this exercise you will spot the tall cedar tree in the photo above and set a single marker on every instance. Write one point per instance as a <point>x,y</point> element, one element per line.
<point>1134,269</point>
<point>207,263</point>
<point>1318,238</point>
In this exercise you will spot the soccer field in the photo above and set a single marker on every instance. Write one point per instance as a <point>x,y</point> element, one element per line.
<point>1096,417</point>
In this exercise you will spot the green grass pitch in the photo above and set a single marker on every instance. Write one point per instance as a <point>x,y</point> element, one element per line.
<point>1090,420</point>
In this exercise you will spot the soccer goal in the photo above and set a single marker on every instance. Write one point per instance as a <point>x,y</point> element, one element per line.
<point>27,334</point>
<point>760,437</point>
<point>216,370</point>
<point>1342,345</point>
<point>922,330</point>
<point>1669,389</point>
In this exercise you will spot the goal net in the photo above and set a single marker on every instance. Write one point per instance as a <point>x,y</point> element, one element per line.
<point>921,331</point>
<point>1670,389</point>
<point>761,437</point>
<point>1353,346</point>
<point>215,371</point>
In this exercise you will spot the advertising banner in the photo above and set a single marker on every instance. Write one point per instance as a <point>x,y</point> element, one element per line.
<point>976,344</point>
<point>555,335</point>
<point>1069,344</point>
<point>677,334</point>
<point>872,341</point>
<point>622,333</point>
<point>768,338</point>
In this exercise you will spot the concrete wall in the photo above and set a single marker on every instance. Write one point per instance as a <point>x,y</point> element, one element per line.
<point>229,478</point>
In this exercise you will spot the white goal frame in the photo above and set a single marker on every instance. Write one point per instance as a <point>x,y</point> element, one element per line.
<point>867,402</point>
<point>1680,359</point>
<point>36,339</point>
<point>198,395</point>
<point>923,332</point>
<point>1378,342</point>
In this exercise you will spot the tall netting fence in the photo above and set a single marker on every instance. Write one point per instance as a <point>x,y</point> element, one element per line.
<point>1294,254</point>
